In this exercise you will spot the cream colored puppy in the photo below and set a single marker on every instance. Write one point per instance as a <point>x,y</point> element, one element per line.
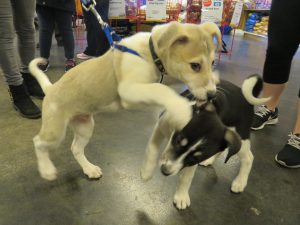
<point>121,79</point>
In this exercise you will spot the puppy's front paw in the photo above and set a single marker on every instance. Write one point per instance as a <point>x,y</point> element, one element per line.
<point>181,115</point>
<point>147,170</point>
<point>92,171</point>
<point>182,200</point>
<point>146,174</point>
<point>47,170</point>
<point>238,185</point>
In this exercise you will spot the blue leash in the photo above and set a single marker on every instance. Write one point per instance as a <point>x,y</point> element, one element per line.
<point>112,37</point>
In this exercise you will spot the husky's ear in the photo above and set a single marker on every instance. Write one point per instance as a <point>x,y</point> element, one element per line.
<point>234,143</point>
<point>167,35</point>
<point>213,30</point>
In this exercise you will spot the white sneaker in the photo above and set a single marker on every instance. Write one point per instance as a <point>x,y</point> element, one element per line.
<point>84,56</point>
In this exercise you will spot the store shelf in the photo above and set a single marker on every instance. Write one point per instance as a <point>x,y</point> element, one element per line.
<point>257,10</point>
<point>254,34</point>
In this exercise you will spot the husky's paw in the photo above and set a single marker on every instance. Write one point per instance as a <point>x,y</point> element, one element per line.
<point>238,185</point>
<point>47,170</point>
<point>207,162</point>
<point>182,200</point>
<point>92,171</point>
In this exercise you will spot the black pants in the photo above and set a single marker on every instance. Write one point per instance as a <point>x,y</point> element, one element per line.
<point>47,19</point>
<point>97,43</point>
<point>283,40</point>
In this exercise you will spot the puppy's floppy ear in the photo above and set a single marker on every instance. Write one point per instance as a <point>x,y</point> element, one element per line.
<point>234,143</point>
<point>168,35</point>
<point>213,30</point>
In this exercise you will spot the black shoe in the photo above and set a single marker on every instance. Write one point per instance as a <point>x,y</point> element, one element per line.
<point>264,116</point>
<point>289,156</point>
<point>44,66</point>
<point>23,103</point>
<point>33,87</point>
<point>70,63</point>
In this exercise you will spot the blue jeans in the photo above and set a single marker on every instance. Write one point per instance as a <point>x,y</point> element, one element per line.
<point>97,43</point>
<point>16,17</point>
<point>47,18</point>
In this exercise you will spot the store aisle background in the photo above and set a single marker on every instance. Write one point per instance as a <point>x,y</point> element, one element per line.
<point>117,146</point>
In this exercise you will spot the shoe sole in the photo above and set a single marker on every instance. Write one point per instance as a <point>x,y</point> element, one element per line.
<point>37,97</point>
<point>284,164</point>
<point>28,116</point>
<point>85,58</point>
<point>269,122</point>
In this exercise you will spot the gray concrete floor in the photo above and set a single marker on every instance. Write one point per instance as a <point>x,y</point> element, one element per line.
<point>120,197</point>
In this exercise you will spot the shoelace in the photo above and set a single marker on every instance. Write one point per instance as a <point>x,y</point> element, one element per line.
<point>294,141</point>
<point>262,111</point>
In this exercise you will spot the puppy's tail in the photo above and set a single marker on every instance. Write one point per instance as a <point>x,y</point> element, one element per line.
<point>39,75</point>
<point>251,88</point>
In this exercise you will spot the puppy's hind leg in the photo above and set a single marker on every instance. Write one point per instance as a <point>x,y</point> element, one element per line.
<point>181,197</point>
<point>83,127</point>
<point>52,133</point>
<point>152,152</point>
<point>246,157</point>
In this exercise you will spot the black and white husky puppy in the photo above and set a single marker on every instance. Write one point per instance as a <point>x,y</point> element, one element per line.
<point>224,122</point>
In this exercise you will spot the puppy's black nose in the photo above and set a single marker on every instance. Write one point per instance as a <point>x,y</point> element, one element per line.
<point>211,95</point>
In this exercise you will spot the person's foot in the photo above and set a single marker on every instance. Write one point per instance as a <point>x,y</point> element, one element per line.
<point>84,56</point>
<point>289,156</point>
<point>44,65</point>
<point>70,63</point>
<point>264,116</point>
<point>23,103</point>
<point>33,87</point>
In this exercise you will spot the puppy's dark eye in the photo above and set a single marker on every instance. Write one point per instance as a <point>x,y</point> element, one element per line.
<point>196,67</point>
<point>213,63</point>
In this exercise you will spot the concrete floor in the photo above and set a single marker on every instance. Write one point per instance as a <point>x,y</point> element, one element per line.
<point>120,197</point>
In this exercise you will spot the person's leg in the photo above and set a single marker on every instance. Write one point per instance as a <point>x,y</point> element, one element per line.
<point>8,59</point>
<point>9,63</point>
<point>284,39</point>
<point>289,155</point>
<point>101,42</point>
<point>283,42</point>
<point>46,28</point>
<point>23,20</point>
<point>90,34</point>
<point>64,23</point>
<point>97,43</point>
<point>297,125</point>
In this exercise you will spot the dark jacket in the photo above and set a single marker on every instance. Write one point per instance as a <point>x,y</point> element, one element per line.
<point>67,5</point>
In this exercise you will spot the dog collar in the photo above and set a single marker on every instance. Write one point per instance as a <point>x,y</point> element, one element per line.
<point>157,61</point>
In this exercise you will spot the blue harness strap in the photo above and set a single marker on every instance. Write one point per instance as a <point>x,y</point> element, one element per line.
<point>123,48</point>
<point>111,35</point>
